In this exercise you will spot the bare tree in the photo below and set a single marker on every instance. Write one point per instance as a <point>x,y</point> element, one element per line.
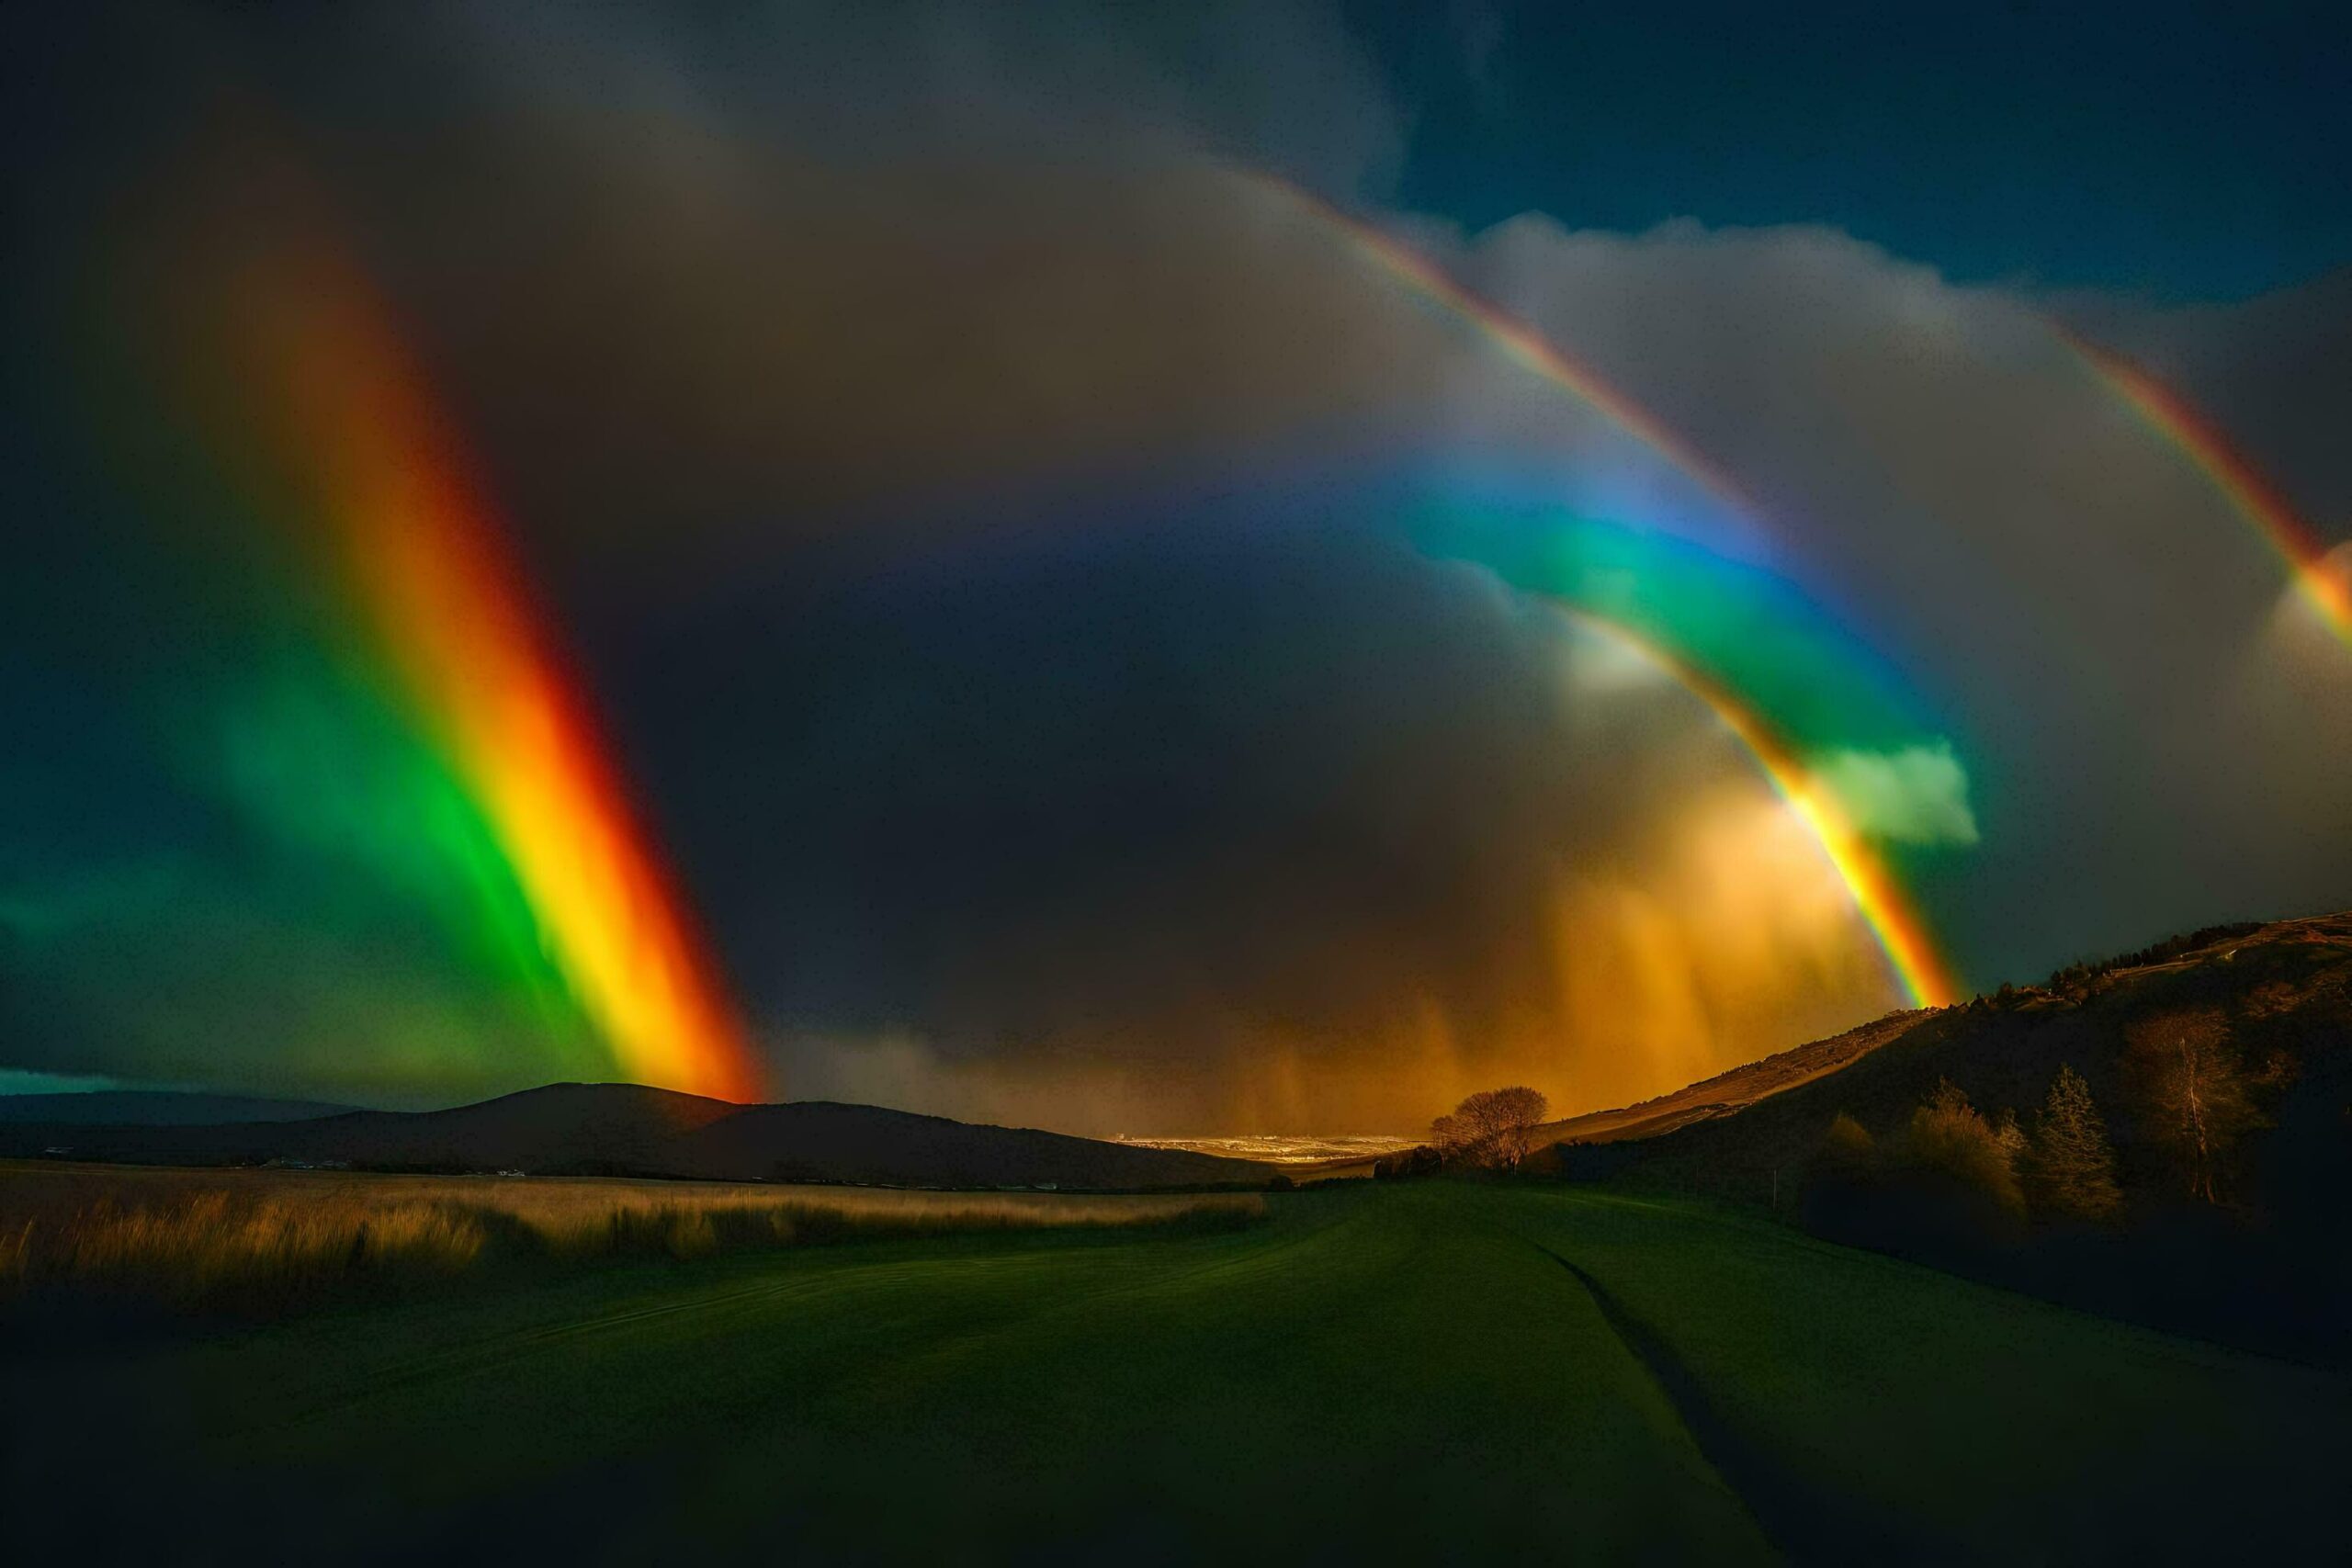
<point>2073,1166</point>
<point>1493,1127</point>
<point>2196,1090</point>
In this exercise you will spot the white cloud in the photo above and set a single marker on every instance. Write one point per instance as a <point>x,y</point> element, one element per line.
<point>1916,795</point>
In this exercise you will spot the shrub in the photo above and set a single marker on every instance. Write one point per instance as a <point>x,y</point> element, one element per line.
<point>1948,1136</point>
<point>1848,1149</point>
<point>1419,1160</point>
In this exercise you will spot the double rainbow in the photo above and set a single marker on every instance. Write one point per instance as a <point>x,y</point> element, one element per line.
<point>1600,601</point>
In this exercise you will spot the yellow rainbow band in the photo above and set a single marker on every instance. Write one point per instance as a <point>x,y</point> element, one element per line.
<point>1902,934</point>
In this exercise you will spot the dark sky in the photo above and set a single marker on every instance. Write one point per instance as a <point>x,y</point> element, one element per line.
<point>988,516</point>
<point>2178,151</point>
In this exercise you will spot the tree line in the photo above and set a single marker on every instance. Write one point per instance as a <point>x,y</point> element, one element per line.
<point>2082,974</point>
<point>2196,1096</point>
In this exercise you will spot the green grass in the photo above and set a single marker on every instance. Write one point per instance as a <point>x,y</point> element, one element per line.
<point>1418,1371</point>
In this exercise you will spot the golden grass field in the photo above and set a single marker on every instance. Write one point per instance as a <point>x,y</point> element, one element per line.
<point>273,1240</point>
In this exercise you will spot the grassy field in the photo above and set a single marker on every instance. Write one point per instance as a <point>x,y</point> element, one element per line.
<point>268,1242</point>
<point>1414,1371</point>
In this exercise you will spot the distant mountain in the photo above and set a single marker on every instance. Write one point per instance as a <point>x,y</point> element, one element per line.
<point>157,1108</point>
<point>630,1130</point>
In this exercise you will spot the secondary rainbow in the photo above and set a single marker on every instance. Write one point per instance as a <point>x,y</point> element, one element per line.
<point>1518,341</point>
<point>1910,949</point>
<point>2251,495</point>
<point>345,419</point>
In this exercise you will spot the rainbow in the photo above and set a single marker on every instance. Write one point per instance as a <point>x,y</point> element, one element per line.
<point>2252,496</point>
<point>1518,342</point>
<point>1695,616</point>
<point>350,433</point>
<point>1910,948</point>
<point>1829,687</point>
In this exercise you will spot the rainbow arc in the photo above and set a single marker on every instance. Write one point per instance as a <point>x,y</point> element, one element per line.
<point>1919,965</point>
<point>2251,495</point>
<point>1517,341</point>
<point>1793,688</point>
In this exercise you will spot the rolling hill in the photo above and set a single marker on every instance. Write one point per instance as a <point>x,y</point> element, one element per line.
<point>630,1130</point>
<point>2284,989</point>
<point>1731,1091</point>
<point>2263,1258</point>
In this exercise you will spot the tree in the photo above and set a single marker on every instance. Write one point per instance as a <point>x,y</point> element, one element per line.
<point>1450,1137</point>
<point>1949,1135</point>
<point>2196,1091</point>
<point>2072,1164</point>
<point>1493,1127</point>
<point>2010,1136</point>
<point>1506,1119</point>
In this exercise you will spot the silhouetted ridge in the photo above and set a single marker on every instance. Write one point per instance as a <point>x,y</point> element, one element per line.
<point>2213,1071</point>
<point>631,1130</point>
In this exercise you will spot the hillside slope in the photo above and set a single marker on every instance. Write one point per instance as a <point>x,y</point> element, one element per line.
<point>2285,991</point>
<point>1731,1091</point>
<point>2250,1242</point>
<point>630,1130</point>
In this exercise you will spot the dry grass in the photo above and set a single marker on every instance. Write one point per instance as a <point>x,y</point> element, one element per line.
<point>271,1241</point>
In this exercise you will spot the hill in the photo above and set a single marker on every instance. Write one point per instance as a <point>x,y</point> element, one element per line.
<point>156,1108</point>
<point>1730,1091</point>
<point>2247,1239</point>
<point>2285,990</point>
<point>630,1130</point>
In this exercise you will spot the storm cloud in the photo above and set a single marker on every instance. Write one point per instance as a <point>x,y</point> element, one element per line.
<point>976,497</point>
